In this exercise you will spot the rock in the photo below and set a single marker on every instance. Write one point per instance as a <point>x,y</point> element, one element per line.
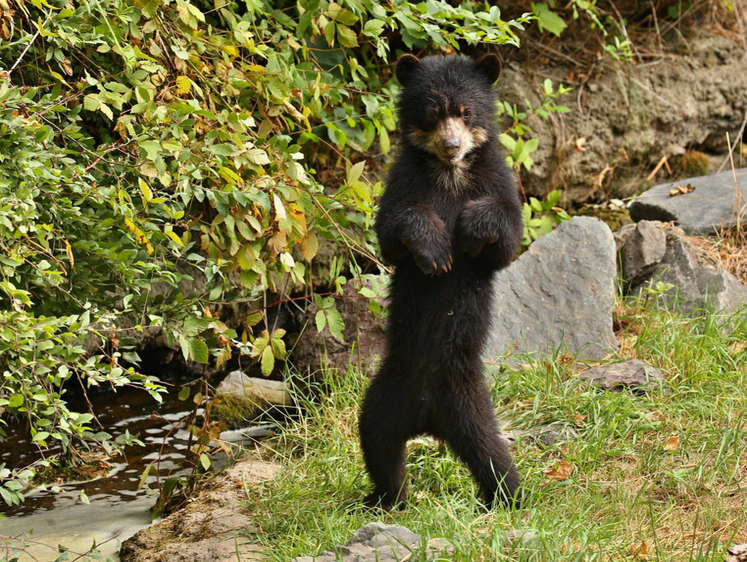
<point>377,542</point>
<point>546,435</point>
<point>706,210</point>
<point>694,284</point>
<point>363,335</point>
<point>525,536</point>
<point>643,249</point>
<point>559,294</point>
<point>257,391</point>
<point>738,553</point>
<point>634,375</point>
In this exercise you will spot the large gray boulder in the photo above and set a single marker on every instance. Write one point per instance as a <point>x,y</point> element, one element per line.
<point>711,206</point>
<point>691,282</point>
<point>558,295</point>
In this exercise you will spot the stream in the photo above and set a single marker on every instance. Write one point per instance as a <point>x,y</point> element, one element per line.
<point>117,508</point>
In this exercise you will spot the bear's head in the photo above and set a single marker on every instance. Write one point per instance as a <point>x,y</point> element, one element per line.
<point>447,103</point>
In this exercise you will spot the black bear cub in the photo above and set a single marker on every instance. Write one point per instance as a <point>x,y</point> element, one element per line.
<point>450,217</point>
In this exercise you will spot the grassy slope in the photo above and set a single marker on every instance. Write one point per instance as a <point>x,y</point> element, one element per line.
<point>655,477</point>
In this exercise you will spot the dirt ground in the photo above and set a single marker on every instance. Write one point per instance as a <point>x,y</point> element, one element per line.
<point>207,528</point>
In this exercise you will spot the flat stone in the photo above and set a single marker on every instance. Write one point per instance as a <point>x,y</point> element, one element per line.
<point>559,294</point>
<point>526,536</point>
<point>259,391</point>
<point>706,210</point>
<point>634,375</point>
<point>376,542</point>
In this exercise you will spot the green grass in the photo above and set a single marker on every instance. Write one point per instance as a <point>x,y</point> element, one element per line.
<point>655,477</point>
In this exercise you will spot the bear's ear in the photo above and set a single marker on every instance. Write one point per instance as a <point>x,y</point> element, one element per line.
<point>405,67</point>
<point>490,66</point>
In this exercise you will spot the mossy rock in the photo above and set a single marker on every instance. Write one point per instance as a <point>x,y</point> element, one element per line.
<point>235,411</point>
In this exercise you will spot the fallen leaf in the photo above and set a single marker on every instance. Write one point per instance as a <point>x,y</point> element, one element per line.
<point>681,190</point>
<point>580,142</point>
<point>639,550</point>
<point>561,472</point>
<point>672,444</point>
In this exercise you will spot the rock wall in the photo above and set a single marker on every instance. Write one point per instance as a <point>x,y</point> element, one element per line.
<point>625,118</point>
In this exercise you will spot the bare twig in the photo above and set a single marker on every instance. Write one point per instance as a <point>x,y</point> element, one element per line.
<point>662,162</point>
<point>20,57</point>
<point>733,147</point>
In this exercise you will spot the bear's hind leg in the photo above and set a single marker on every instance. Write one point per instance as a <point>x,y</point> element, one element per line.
<point>474,437</point>
<point>384,432</point>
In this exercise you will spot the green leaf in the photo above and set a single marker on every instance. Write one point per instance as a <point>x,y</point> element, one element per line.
<point>336,324</point>
<point>508,142</point>
<point>248,279</point>
<point>548,20</point>
<point>152,148</point>
<point>329,33</point>
<point>341,15</point>
<point>198,351</point>
<point>205,461</point>
<point>354,172</point>
<point>553,197</point>
<point>347,37</point>
<point>373,28</point>
<point>258,156</point>
<point>91,102</point>
<point>193,325</point>
<point>321,321</point>
<point>246,257</point>
<point>277,344</point>
<point>384,142</point>
<point>260,344</point>
<point>268,361</point>
<point>223,149</point>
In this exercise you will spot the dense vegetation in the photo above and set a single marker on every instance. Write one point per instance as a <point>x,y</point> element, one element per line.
<point>146,143</point>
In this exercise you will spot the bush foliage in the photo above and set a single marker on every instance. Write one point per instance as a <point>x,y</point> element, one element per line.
<point>147,142</point>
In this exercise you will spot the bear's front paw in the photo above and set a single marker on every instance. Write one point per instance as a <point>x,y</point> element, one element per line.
<point>473,230</point>
<point>472,245</point>
<point>434,262</point>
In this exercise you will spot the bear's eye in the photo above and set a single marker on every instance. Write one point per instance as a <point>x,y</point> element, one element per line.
<point>466,114</point>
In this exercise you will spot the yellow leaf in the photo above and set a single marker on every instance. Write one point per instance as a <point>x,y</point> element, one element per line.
<point>173,236</point>
<point>183,84</point>
<point>69,251</point>
<point>231,51</point>
<point>145,190</point>
<point>130,225</point>
<point>309,246</point>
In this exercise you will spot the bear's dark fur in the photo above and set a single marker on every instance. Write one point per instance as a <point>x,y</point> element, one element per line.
<point>449,219</point>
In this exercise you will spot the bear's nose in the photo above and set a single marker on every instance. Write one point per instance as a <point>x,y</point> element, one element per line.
<point>451,144</point>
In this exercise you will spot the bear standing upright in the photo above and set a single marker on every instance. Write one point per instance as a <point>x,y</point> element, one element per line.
<point>450,217</point>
